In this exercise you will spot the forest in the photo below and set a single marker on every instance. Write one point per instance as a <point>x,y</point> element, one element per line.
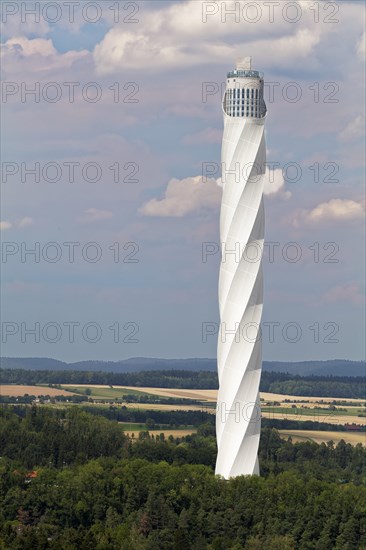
<point>274,382</point>
<point>73,480</point>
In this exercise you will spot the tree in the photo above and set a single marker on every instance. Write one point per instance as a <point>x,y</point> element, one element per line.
<point>150,423</point>
<point>273,542</point>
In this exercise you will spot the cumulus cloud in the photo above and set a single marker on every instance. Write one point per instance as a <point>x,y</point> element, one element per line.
<point>15,25</point>
<point>289,48</point>
<point>361,47</point>
<point>341,210</point>
<point>183,197</point>
<point>274,184</point>
<point>348,293</point>
<point>95,215</point>
<point>120,49</point>
<point>5,225</point>
<point>35,55</point>
<point>26,47</point>
<point>353,130</point>
<point>179,36</point>
<point>337,209</point>
<point>23,222</point>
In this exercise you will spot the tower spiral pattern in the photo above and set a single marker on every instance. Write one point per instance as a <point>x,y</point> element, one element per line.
<point>239,354</point>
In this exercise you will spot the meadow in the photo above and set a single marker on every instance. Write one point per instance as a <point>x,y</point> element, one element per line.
<point>323,437</point>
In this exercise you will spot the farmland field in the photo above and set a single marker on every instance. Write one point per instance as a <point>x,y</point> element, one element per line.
<point>134,428</point>
<point>17,391</point>
<point>323,437</point>
<point>203,395</point>
<point>318,410</point>
<point>281,397</point>
<point>163,407</point>
<point>207,399</point>
<point>103,391</point>
<point>332,417</point>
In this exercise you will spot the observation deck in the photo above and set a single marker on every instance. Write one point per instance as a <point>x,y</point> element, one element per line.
<point>245,74</point>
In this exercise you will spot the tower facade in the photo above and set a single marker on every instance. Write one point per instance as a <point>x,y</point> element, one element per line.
<point>239,354</point>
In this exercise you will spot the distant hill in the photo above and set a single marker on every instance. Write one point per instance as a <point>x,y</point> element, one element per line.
<point>334,367</point>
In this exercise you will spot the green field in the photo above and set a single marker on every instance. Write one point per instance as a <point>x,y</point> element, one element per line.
<point>138,427</point>
<point>132,426</point>
<point>320,411</point>
<point>106,393</point>
<point>324,436</point>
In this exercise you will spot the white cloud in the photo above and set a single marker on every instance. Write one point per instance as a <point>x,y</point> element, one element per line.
<point>94,215</point>
<point>361,47</point>
<point>12,24</point>
<point>35,55</point>
<point>5,225</point>
<point>183,197</point>
<point>348,293</point>
<point>341,210</point>
<point>177,36</point>
<point>274,184</point>
<point>26,47</point>
<point>287,49</point>
<point>337,209</point>
<point>353,130</point>
<point>25,222</point>
<point>120,49</point>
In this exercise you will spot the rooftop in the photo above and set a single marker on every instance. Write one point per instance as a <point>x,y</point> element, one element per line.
<point>244,74</point>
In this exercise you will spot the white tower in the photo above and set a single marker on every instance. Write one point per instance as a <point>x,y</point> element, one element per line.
<point>239,355</point>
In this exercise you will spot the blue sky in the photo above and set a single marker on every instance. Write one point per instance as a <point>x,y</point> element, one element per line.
<point>137,261</point>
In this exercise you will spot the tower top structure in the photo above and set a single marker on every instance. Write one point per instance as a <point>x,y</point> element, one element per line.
<point>243,69</point>
<point>244,64</point>
<point>244,95</point>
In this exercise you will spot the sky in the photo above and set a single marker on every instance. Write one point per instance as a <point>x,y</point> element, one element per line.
<point>112,128</point>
